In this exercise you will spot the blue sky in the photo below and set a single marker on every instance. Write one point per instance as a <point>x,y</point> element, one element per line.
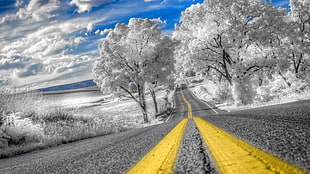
<point>52,42</point>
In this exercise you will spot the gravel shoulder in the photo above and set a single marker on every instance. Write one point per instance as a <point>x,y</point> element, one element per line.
<point>193,155</point>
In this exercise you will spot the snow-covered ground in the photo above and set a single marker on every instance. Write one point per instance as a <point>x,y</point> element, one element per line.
<point>77,99</point>
<point>94,104</point>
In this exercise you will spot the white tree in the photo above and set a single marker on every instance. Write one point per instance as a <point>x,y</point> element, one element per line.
<point>132,55</point>
<point>296,41</point>
<point>291,53</point>
<point>162,67</point>
<point>229,38</point>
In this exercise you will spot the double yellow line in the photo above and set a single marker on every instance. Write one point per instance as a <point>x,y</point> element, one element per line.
<point>162,157</point>
<point>189,106</point>
<point>231,155</point>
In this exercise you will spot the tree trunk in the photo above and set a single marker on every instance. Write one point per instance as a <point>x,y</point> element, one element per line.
<point>142,103</point>
<point>144,114</point>
<point>242,91</point>
<point>285,79</point>
<point>141,100</point>
<point>153,94</point>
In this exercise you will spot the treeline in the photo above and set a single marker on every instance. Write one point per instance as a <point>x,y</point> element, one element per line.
<point>252,46</point>
<point>248,47</point>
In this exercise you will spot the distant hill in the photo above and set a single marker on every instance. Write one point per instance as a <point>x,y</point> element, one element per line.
<point>71,86</point>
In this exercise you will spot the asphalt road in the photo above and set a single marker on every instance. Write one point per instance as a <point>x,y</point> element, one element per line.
<point>108,154</point>
<point>282,130</point>
<point>274,129</point>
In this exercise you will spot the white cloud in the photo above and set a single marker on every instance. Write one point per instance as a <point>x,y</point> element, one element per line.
<point>87,5</point>
<point>90,27</point>
<point>97,31</point>
<point>43,47</point>
<point>18,3</point>
<point>65,63</point>
<point>47,41</point>
<point>59,69</point>
<point>35,10</point>
<point>43,52</point>
<point>6,18</point>
<point>30,70</point>
<point>105,31</point>
<point>41,55</point>
<point>78,40</point>
<point>7,67</point>
<point>160,22</point>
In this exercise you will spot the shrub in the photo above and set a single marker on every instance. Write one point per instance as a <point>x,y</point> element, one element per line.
<point>242,91</point>
<point>264,94</point>
<point>30,121</point>
<point>222,92</point>
<point>58,115</point>
<point>3,139</point>
<point>13,101</point>
<point>22,130</point>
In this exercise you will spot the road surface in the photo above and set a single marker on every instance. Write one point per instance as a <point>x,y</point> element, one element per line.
<point>283,135</point>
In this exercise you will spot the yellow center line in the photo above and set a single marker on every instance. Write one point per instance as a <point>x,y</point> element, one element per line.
<point>162,157</point>
<point>230,154</point>
<point>189,106</point>
<point>233,155</point>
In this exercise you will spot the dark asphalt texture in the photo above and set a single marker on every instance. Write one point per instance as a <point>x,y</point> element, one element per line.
<point>282,130</point>
<point>109,154</point>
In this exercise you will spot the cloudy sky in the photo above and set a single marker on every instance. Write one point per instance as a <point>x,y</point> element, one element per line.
<point>52,42</point>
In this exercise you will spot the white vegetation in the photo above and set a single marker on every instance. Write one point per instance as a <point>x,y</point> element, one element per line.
<point>131,56</point>
<point>296,41</point>
<point>244,43</point>
<point>248,48</point>
<point>30,121</point>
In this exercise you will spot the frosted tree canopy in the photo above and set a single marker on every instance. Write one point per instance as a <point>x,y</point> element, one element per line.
<point>132,55</point>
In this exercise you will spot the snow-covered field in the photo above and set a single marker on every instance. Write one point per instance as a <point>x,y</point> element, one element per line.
<point>76,100</point>
<point>94,103</point>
